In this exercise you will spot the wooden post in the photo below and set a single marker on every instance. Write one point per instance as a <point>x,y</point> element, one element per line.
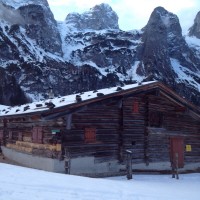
<point>67,161</point>
<point>175,167</point>
<point>129,164</point>
<point>176,157</point>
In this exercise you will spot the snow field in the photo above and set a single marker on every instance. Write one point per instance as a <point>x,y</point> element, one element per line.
<point>19,183</point>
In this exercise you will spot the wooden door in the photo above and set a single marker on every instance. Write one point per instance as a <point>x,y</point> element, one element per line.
<point>177,151</point>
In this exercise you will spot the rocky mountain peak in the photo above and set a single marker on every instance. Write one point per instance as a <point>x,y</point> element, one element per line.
<point>161,11</point>
<point>18,3</point>
<point>163,29</point>
<point>35,19</point>
<point>103,7</point>
<point>39,22</point>
<point>162,20</point>
<point>163,41</point>
<point>195,29</point>
<point>99,17</point>
<point>164,53</point>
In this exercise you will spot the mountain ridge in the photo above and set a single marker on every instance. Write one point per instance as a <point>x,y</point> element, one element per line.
<point>41,53</point>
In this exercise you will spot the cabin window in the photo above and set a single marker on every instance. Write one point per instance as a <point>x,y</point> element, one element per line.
<point>155,119</point>
<point>37,135</point>
<point>13,135</point>
<point>133,143</point>
<point>90,135</point>
<point>135,107</point>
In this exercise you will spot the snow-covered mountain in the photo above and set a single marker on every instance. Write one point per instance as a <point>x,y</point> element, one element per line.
<point>88,51</point>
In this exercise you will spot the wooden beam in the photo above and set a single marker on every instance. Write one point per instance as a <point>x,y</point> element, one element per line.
<point>146,157</point>
<point>64,113</point>
<point>121,129</point>
<point>68,121</point>
<point>171,99</point>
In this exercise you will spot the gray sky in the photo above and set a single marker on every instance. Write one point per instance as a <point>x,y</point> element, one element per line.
<point>133,14</point>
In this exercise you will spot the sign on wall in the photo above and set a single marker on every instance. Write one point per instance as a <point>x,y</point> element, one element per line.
<point>188,148</point>
<point>54,131</point>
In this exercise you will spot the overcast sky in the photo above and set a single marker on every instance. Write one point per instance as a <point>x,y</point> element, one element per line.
<point>133,14</point>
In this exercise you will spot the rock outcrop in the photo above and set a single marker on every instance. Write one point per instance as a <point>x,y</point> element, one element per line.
<point>41,26</point>
<point>195,29</point>
<point>164,54</point>
<point>98,18</point>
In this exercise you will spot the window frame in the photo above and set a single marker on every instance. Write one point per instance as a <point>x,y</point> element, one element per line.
<point>156,119</point>
<point>90,135</point>
<point>135,107</point>
<point>37,135</point>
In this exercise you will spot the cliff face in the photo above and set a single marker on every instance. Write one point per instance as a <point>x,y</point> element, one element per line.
<point>41,27</point>
<point>195,29</point>
<point>29,39</point>
<point>88,51</point>
<point>164,54</point>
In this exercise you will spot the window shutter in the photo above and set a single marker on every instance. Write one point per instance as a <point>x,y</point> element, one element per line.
<point>90,135</point>
<point>135,107</point>
<point>34,134</point>
<point>39,135</point>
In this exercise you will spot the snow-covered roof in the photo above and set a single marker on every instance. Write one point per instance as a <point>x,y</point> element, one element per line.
<point>63,101</point>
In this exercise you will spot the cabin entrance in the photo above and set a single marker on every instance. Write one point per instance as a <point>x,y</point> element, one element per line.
<point>177,151</point>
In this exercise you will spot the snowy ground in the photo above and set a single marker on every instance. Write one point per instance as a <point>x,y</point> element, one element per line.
<point>18,183</point>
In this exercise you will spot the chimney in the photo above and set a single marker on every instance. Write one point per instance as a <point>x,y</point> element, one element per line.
<point>50,93</point>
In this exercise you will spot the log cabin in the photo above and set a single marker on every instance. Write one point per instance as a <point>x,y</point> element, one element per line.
<point>89,133</point>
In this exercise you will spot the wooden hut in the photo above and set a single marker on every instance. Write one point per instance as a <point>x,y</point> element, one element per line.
<point>89,133</point>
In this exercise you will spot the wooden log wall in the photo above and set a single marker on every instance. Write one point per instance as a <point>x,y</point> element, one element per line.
<point>161,104</point>
<point>184,125</point>
<point>158,148</point>
<point>158,143</point>
<point>176,121</point>
<point>134,128</point>
<point>20,135</point>
<point>193,155</point>
<point>104,117</point>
